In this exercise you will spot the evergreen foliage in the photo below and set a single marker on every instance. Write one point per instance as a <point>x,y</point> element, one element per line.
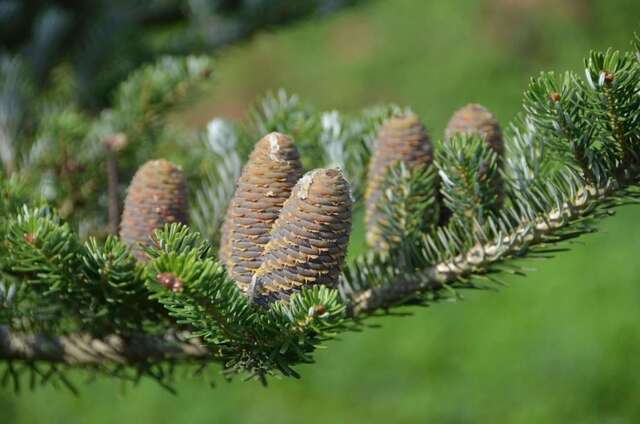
<point>470,174</point>
<point>570,157</point>
<point>96,44</point>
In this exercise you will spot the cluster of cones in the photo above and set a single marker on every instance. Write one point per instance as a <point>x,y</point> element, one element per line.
<point>405,139</point>
<point>285,230</point>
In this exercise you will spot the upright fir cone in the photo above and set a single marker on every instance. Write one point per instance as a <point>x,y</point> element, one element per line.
<point>157,196</point>
<point>402,138</point>
<point>477,119</point>
<point>264,185</point>
<point>309,239</point>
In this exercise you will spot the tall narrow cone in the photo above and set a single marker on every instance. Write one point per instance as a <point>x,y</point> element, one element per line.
<point>157,196</point>
<point>476,119</point>
<point>401,139</point>
<point>264,185</point>
<point>309,240</point>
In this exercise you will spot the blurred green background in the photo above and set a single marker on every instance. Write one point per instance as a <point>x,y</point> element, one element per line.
<point>561,345</point>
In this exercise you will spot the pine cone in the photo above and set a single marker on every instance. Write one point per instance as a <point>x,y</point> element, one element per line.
<point>476,119</point>
<point>309,240</point>
<point>266,182</point>
<point>157,196</point>
<point>402,138</point>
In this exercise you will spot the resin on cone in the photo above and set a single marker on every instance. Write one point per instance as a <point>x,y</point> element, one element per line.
<point>476,119</point>
<point>157,196</point>
<point>309,239</point>
<point>265,184</point>
<point>401,139</point>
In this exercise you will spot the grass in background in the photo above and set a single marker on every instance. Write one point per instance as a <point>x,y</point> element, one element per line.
<point>561,345</point>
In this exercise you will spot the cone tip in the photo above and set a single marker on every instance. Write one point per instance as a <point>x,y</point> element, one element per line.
<point>307,180</point>
<point>160,163</point>
<point>275,142</point>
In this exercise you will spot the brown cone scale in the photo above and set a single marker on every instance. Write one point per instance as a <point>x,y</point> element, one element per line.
<point>265,184</point>
<point>309,240</point>
<point>157,196</point>
<point>401,139</point>
<point>476,119</point>
<point>223,252</point>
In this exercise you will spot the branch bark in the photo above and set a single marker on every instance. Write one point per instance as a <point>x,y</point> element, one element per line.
<point>478,259</point>
<point>83,349</point>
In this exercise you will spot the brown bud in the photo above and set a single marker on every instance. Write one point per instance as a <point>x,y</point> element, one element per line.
<point>265,184</point>
<point>317,310</point>
<point>555,97</point>
<point>309,240</point>
<point>476,119</point>
<point>608,77</point>
<point>170,281</point>
<point>116,142</point>
<point>157,196</point>
<point>30,238</point>
<point>401,139</point>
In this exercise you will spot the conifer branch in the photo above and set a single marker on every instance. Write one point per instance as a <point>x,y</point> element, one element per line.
<point>479,259</point>
<point>113,144</point>
<point>81,349</point>
<point>264,297</point>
